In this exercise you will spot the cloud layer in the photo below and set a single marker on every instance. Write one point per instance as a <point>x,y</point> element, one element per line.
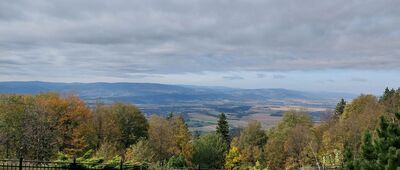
<point>129,38</point>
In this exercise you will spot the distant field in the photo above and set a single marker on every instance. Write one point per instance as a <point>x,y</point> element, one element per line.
<point>268,116</point>
<point>199,105</point>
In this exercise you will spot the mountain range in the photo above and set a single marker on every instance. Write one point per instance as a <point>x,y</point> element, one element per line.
<point>152,93</point>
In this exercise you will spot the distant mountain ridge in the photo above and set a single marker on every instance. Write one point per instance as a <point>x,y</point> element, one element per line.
<point>153,93</point>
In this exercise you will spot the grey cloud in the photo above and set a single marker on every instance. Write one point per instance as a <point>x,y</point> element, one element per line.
<point>328,81</point>
<point>101,37</point>
<point>233,77</point>
<point>260,75</point>
<point>6,61</point>
<point>279,76</point>
<point>355,79</point>
<point>133,76</point>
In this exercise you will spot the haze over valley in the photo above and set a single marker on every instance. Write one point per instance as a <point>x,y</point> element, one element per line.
<point>200,105</point>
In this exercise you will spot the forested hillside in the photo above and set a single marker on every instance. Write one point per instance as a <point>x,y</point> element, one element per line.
<point>362,134</point>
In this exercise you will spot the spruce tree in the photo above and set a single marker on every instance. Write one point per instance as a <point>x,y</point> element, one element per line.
<point>340,108</point>
<point>368,153</point>
<point>357,164</point>
<point>384,152</point>
<point>388,143</point>
<point>223,128</point>
<point>381,143</point>
<point>170,116</point>
<point>393,159</point>
<point>385,96</point>
<point>348,160</point>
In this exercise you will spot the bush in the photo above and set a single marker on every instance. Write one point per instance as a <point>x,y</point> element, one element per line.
<point>209,151</point>
<point>176,162</point>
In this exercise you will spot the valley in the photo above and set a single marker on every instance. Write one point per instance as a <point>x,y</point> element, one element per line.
<point>200,106</point>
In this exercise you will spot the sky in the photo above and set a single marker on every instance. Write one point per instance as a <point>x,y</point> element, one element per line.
<point>340,45</point>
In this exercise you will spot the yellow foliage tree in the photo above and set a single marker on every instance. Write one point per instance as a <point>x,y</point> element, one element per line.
<point>68,116</point>
<point>233,159</point>
<point>181,134</point>
<point>140,153</point>
<point>161,137</point>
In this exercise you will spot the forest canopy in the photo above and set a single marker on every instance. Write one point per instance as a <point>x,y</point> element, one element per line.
<point>360,134</point>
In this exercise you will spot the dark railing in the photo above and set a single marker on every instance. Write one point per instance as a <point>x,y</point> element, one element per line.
<point>45,165</point>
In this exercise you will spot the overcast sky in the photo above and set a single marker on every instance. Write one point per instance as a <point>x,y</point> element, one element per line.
<point>318,45</point>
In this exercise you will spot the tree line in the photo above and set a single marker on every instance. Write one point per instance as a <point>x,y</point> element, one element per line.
<point>361,134</point>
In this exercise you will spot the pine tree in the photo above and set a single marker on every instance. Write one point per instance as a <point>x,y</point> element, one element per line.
<point>340,108</point>
<point>348,160</point>
<point>381,143</point>
<point>393,159</point>
<point>170,116</point>
<point>368,154</point>
<point>390,100</point>
<point>385,96</point>
<point>388,143</point>
<point>384,152</point>
<point>223,128</point>
<point>357,164</point>
<point>388,94</point>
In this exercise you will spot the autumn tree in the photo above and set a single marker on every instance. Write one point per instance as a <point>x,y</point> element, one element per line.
<point>140,153</point>
<point>118,124</point>
<point>297,147</point>
<point>251,143</point>
<point>131,123</point>
<point>168,136</point>
<point>315,144</point>
<point>360,115</point>
<point>42,124</point>
<point>107,151</point>
<point>282,141</point>
<point>15,124</point>
<point>233,159</point>
<point>96,126</point>
<point>364,134</point>
<point>68,116</point>
<point>161,137</point>
<point>181,134</point>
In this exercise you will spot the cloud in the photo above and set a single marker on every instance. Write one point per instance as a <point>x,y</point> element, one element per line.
<point>104,38</point>
<point>356,79</point>
<point>260,75</point>
<point>232,77</point>
<point>279,76</point>
<point>328,81</point>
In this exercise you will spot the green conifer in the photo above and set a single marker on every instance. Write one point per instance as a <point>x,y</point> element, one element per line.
<point>348,160</point>
<point>223,127</point>
<point>368,154</point>
<point>340,108</point>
